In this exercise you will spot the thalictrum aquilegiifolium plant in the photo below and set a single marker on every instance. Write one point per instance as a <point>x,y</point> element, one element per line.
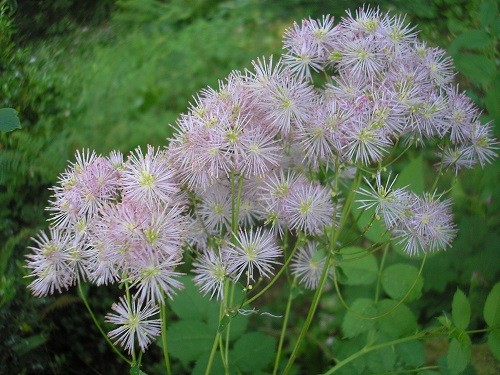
<point>261,179</point>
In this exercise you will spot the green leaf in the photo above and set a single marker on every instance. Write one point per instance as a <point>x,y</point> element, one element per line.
<point>30,343</point>
<point>359,265</point>
<point>253,352</point>
<point>189,303</point>
<point>458,356</point>
<point>492,307</point>
<point>355,321</point>
<point>494,343</point>
<point>189,339</point>
<point>460,310</point>
<point>201,365</point>
<point>377,232</point>
<point>492,99</point>
<point>381,361</point>
<point>399,322</point>
<point>478,68</point>
<point>471,40</point>
<point>412,176</point>
<point>487,12</point>
<point>9,120</point>
<point>398,279</point>
<point>412,353</point>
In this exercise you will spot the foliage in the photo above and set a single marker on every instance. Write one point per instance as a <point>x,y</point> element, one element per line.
<point>139,63</point>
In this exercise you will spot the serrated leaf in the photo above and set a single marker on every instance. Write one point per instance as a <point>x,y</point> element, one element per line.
<point>354,322</point>
<point>494,343</point>
<point>399,322</point>
<point>9,120</point>
<point>458,356</point>
<point>492,307</point>
<point>487,12</point>
<point>253,352</point>
<point>399,280</point>
<point>460,310</point>
<point>189,303</point>
<point>359,266</point>
<point>478,68</point>
<point>189,339</point>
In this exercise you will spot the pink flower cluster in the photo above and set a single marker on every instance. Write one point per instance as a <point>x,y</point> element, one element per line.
<point>252,164</point>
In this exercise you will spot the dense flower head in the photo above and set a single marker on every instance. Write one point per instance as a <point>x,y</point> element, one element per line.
<point>307,264</point>
<point>134,324</point>
<point>113,221</point>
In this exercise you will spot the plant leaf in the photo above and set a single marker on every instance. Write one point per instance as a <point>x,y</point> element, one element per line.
<point>359,266</point>
<point>354,323</point>
<point>189,339</point>
<point>492,307</point>
<point>477,68</point>
<point>460,310</point>
<point>458,356</point>
<point>398,279</point>
<point>253,352</point>
<point>9,120</point>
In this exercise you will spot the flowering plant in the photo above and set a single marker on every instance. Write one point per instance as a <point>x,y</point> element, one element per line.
<point>284,170</point>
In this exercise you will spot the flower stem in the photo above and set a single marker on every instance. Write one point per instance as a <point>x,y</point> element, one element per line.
<point>283,328</point>
<point>276,277</point>
<point>163,311</point>
<point>94,319</point>
<point>212,353</point>
<point>324,275</point>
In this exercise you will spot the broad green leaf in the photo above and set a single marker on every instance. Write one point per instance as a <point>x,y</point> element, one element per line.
<point>412,176</point>
<point>460,310</point>
<point>201,365</point>
<point>487,12</point>
<point>189,339</point>
<point>470,39</point>
<point>359,266</point>
<point>478,68</point>
<point>189,303</point>
<point>380,361</point>
<point>355,321</point>
<point>492,99</point>
<point>253,352</point>
<point>400,280</point>
<point>458,356</point>
<point>399,322</point>
<point>412,353</point>
<point>9,120</point>
<point>494,343</point>
<point>492,307</point>
<point>377,232</point>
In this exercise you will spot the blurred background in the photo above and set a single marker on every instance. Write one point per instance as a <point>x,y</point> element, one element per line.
<point>114,74</point>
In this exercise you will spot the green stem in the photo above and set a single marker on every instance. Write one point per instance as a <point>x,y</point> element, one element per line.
<point>276,277</point>
<point>379,274</point>
<point>222,357</point>
<point>324,275</point>
<point>212,353</point>
<point>94,319</point>
<point>163,311</point>
<point>368,349</point>
<point>228,328</point>
<point>283,328</point>
<point>438,176</point>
